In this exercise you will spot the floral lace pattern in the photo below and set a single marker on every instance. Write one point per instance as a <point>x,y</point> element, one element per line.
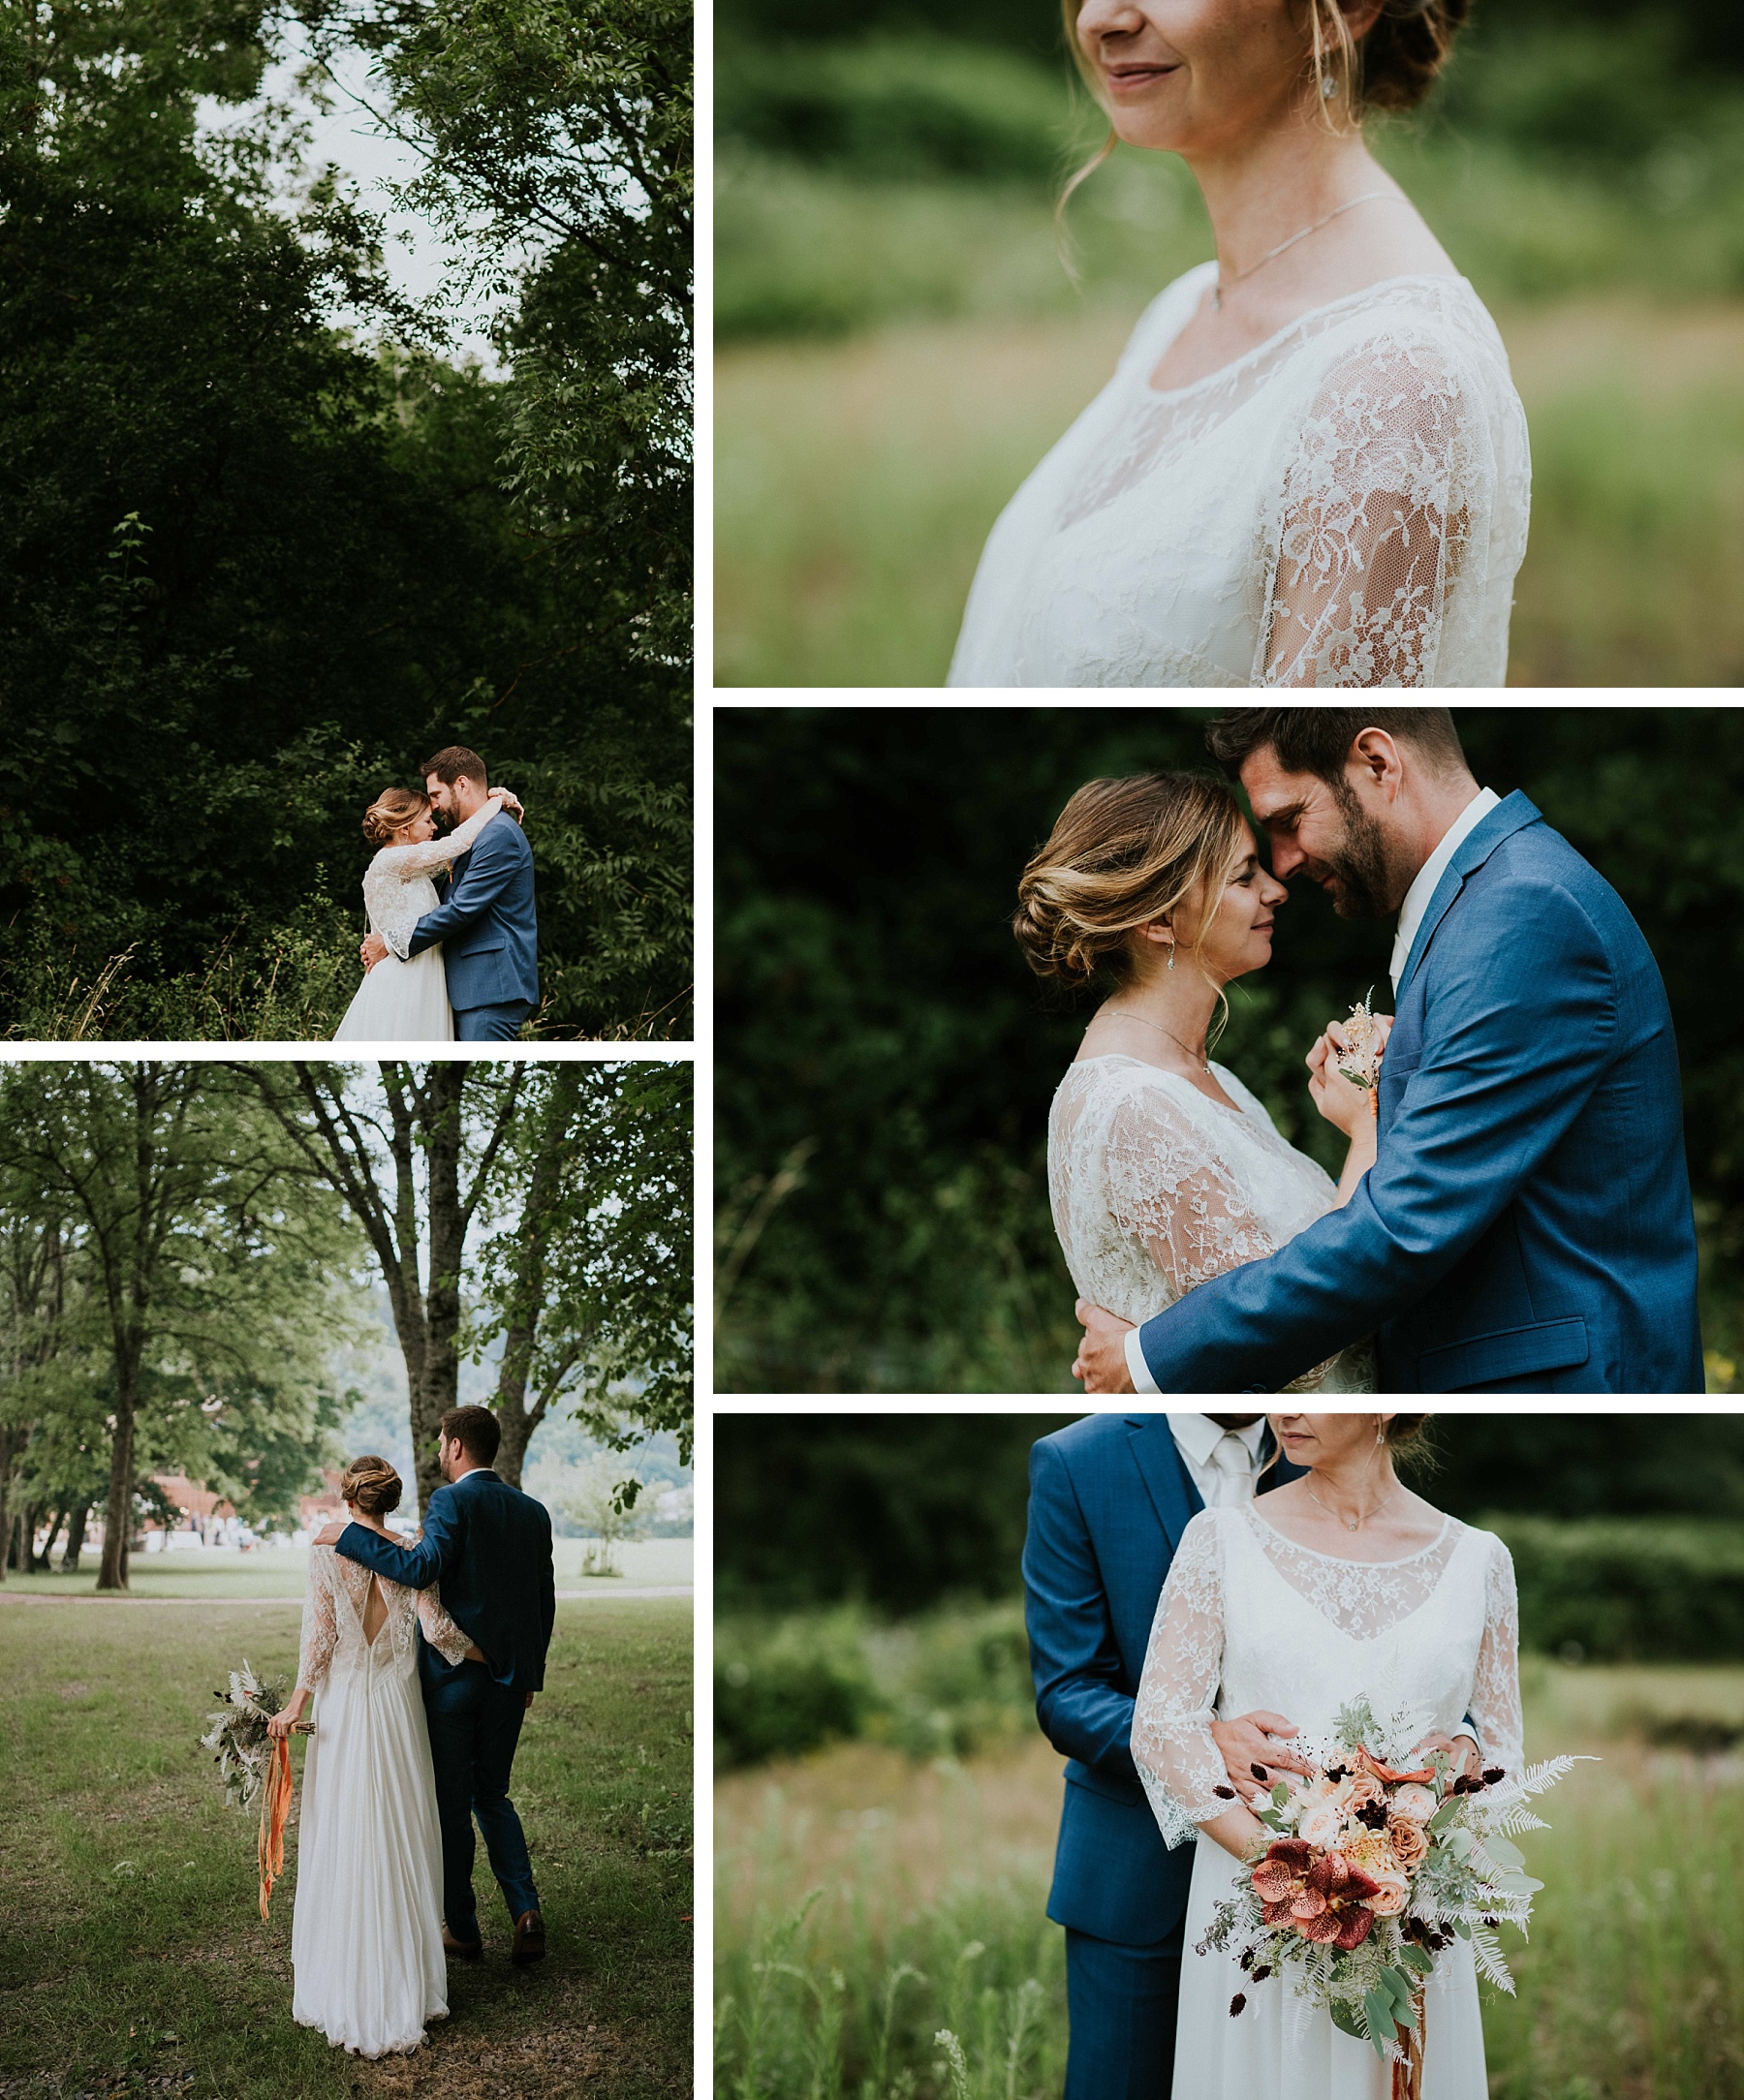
<point>1346,506</point>
<point>333,1615</point>
<point>398,885</point>
<point>1249,1622</point>
<point>1155,1188</point>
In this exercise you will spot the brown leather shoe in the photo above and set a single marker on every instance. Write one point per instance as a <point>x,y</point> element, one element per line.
<point>469,1950</point>
<point>529,1939</point>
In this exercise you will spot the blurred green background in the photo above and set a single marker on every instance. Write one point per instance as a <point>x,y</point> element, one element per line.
<point>899,342</point>
<point>884,1060</point>
<point>886,1806</point>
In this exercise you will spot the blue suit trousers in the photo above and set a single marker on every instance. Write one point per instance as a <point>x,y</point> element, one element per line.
<point>1121,2003</point>
<point>475,1724</point>
<point>490,1024</point>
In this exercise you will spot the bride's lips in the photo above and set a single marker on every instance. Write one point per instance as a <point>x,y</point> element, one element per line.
<point>1129,79</point>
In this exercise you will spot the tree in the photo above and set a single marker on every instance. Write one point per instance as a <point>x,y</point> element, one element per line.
<point>588,1278</point>
<point>209,1262</point>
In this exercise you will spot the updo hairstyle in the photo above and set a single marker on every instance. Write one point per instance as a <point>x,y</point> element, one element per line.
<point>371,1486</point>
<point>1393,67</point>
<point>1122,855</point>
<point>392,810</point>
<point>1409,1444</point>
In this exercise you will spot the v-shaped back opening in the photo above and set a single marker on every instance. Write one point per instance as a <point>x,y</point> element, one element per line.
<point>375,1609</point>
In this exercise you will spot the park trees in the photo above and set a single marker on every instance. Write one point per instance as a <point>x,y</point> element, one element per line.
<point>202,1263</point>
<point>581,1170</point>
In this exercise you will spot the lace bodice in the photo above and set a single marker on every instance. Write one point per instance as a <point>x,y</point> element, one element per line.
<point>333,1623</point>
<point>398,888</point>
<point>1344,505</point>
<point>1155,1188</point>
<point>1249,1620</point>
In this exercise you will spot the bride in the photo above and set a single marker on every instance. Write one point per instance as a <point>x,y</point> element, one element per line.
<point>1311,465</point>
<point>1341,1585</point>
<point>1162,1169</point>
<point>367,1950</point>
<point>407,1001</point>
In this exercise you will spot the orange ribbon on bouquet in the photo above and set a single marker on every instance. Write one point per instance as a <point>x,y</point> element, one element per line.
<point>1408,2075</point>
<point>275,1813</point>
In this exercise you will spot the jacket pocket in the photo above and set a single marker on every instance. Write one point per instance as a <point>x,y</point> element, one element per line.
<point>1513,1352</point>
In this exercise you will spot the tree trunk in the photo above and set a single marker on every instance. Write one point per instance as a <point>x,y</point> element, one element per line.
<point>117,1517</point>
<point>45,1560</point>
<point>75,1542</point>
<point>8,1448</point>
<point>438,1386</point>
<point>521,1338</point>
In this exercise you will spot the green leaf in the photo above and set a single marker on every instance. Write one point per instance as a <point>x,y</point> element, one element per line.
<point>1345,2020</point>
<point>1280,1795</point>
<point>1378,2006</point>
<point>1505,1852</point>
<point>1446,1813</point>
<point>1419,1958</point>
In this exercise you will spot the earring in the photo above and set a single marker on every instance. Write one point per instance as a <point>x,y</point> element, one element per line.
<point>1379,1433</point>
<point>1171,963</point>
<point>1328,88</point>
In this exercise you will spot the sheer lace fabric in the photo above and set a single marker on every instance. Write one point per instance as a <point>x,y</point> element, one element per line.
<point>366,1933</point>
<point>1346,506</point>
<point>1251,1620</point>
<point>1155,1188</point>
<point>398,888</point>
<point>1248,1622</point>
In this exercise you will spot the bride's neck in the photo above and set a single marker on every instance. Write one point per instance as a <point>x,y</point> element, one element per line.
<point>1265,186</point>
<point>1180,1002</point>
<point>1354,1487</point>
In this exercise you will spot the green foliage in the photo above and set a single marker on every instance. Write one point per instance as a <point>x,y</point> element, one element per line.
<point>1626,1591</point>
<point>252,570</point>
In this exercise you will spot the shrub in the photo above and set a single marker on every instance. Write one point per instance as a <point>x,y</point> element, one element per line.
<point>1627,1589</point>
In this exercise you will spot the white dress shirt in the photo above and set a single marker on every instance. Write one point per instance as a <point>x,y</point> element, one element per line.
<point>1411,917</point>
<point>1222,1464</point>
<point>1418,896</point>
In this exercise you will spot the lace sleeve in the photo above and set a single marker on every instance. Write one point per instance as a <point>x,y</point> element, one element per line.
<point>1171,1722</point>
<point>1169,1190</point>
<point>1380,502</point>
<point>439,1629</point>
<point>406,862</point>
<point>1495,1704</point>
<point>320,1626</point>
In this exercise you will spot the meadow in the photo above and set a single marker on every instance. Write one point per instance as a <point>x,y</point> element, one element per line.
<point>868,1903</point>
<point>901,334</point>
<point>133,1958</point>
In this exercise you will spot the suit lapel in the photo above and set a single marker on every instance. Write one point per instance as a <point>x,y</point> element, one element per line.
<point>1172,1495</point>
<point>1502,823</point>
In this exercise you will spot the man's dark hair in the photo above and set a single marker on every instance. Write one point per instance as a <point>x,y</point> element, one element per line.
<point>479,1430</point>
<point>452,762</point>
<point>1318,740</point>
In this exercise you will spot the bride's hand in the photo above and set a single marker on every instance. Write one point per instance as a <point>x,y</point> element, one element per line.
<point>1345,1105</point>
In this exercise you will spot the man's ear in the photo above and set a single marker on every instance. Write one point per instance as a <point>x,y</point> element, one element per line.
<point>1376,761</point>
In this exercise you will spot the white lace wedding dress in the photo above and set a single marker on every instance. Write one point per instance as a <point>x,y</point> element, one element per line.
<point>1155,1188</point>
<point>366,1933</point>
<point>407,1001</point>
<point>1251,1622</point>
<point>1344,506</point>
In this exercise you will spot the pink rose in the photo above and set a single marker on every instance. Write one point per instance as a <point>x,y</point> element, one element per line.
<point>1392,1891</point>
<point>1322,1823</point>
<point>1415,1804</point>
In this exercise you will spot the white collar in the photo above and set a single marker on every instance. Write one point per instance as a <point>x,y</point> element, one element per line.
<point>1198,1436</point>
<point>1418,896</point>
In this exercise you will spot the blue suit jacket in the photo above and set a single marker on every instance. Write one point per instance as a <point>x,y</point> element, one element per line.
<point>486,923</point>
<point>1109,1499</point>
<point>1527,1227</point>
<point>490,1548</point>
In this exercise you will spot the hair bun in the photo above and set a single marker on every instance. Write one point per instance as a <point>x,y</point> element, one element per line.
<point>371,1486</point>
<point>392,810</point>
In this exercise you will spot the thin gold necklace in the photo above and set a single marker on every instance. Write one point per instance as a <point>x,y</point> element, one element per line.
<point>1126,1013</point>
<point>1222,284</point>
<point>1367,1516</point>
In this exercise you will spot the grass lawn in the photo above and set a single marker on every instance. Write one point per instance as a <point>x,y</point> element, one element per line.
<point>133,1958</point>
<point>903,1898</point>
<point>856,480</point>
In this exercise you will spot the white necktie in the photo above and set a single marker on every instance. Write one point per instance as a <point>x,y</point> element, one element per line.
<point>1231,1472</point>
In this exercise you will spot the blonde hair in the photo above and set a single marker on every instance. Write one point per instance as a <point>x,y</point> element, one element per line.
<point>1122,855</point>
<point>391,812</point>
<point>371,1486</point>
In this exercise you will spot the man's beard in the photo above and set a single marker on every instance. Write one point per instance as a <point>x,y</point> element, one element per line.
<point>1368,886</point>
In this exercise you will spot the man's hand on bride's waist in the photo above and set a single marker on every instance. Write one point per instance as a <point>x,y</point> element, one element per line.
<point>1257,1739</point>
<point>1101,1361</point>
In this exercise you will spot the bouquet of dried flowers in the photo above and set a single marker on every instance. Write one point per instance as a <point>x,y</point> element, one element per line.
<point>1376,1865</point>
<point>253,1765</point>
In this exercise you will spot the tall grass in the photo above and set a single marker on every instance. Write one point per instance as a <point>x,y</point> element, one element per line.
<point>930,1884</point>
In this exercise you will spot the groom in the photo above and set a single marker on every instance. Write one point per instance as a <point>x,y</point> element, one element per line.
<point>490,1547</point>
<point>485,920</point>
<point>1527,1227</point>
